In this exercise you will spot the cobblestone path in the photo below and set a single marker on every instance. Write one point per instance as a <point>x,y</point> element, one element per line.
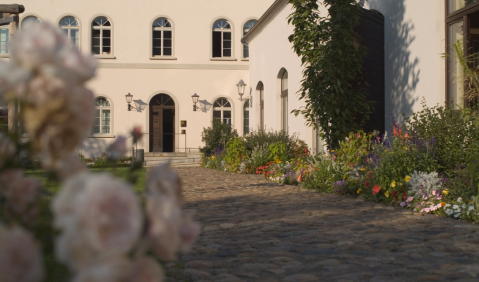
<point>254,230</point>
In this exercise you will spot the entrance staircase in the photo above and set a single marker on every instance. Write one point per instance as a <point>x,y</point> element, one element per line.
<point>176,159</point>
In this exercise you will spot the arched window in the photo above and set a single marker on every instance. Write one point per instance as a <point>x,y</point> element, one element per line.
<point>162,38</point>
<point>101,36</point>
<point>284,101</point>
<point>102,124</point>
<point>29,20</point>
<point>222,110</point>
<point>246,118</point>
<point>246,28</point>
<point>222,39</point>
<point>71,27</point>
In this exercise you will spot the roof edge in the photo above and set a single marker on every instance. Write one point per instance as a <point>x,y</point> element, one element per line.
<point>263,20</point>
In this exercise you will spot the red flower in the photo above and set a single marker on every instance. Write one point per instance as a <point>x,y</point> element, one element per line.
<point>404,195</point>
<point>369,174</point>
<point>376,189</point>
<point>366,183</point>
<point>394,194</point>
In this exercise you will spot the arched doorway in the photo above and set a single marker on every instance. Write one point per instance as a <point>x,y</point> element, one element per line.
<point>162,124</point>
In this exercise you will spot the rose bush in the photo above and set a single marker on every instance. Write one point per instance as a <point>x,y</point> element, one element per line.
<point>99,228</point>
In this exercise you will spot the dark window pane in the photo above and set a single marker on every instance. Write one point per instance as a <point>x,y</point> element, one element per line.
<point>167,34</point>
<point>216,44</point>
<point>245,51</point>
<point>95,41</point>
<point>226,52</point>
<point>106,33</point>
<point>167,51</point>
<point>106,50</point>
<point>157,42</point>
<point>216,114</point>
<point>227,44</point>
<point>227,35</point>
<point>226,114</point>
<point>96,33</point>
<point>95,50</point>
<point>156,33</point>
<point>106,42</point>
<point>156,51</point>
<point>167,42</point>
<point>107,23</point>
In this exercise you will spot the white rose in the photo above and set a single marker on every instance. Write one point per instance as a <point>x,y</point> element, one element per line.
<point>98,215</point>
<point>39,45</point>
<point>20,256</point>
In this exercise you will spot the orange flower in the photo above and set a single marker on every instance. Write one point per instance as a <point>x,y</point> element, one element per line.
<point>376,189</point>
<point>443,204</point>
<point>406,135</point>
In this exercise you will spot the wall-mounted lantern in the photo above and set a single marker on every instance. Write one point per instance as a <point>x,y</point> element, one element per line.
<point>241,86</point>
<point>129,99</point>
<point>195,98</point>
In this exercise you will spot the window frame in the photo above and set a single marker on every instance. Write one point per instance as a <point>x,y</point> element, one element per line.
<point>9,37</point>
<point>246,108</point>
<point>243,45</point>
<point>112,37</point>
<point>451,18</point>
<point>69,28</point>
<point>284,100</point>
<point>232,32</point>
<point>101,108</point>
<point>172,29</point>
<point>222,109</point>
<point>27,16</point>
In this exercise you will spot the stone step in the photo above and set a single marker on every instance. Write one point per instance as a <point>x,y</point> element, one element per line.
<point>173,161</point>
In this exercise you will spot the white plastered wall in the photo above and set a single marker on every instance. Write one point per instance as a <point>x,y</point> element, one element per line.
<point>414,42</point>
<point>132,70</point>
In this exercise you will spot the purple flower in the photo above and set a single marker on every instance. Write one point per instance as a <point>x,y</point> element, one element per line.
<point>402,204</point>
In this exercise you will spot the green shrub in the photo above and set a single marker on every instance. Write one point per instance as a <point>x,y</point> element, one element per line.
<point>454,132</point>
<point>255,138</point>
<point>234,153</point>
<point>216,137</point>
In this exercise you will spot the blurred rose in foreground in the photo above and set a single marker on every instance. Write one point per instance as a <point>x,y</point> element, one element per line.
<point>98,215</point>
<point>20,256</point>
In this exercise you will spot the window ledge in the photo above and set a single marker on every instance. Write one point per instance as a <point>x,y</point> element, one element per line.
<point>222,59</point>
<point>104,56</point>
<point>4,55</point>
<point>245,59</point>
<point>162,58</point>
<point>101,136</point>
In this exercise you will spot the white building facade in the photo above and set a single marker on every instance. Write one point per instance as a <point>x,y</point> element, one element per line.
<point>416,34</point>
<point>161,52</point>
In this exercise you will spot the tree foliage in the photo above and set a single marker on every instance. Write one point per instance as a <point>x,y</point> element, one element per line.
<point>332,85</point>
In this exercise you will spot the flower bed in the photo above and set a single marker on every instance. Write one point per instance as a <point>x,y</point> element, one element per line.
<point>411,169</point>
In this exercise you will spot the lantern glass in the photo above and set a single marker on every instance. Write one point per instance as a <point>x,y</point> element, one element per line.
<point>241,86</point>
<point>195,98</point>
<point>129,98</point>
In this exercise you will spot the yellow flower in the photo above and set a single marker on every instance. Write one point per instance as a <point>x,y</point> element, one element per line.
<point>344,177</point>
<point>445,192</point>
<point>393,184</point>
<point>407,178</point>
<point>359,191</point>
<point>363,169</point>
<point>386,194</point>
<point>332,151</point>
<point>405,148</point>
<point>212,157</point>
<point>278,161</point>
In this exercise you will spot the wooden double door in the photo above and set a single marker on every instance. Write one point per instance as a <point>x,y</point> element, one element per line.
<point>162,129</point>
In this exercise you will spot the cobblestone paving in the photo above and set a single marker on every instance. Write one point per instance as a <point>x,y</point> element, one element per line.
<point>254,230</point>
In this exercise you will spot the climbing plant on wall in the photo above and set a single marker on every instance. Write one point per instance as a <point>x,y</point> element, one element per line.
<point>332,84</point>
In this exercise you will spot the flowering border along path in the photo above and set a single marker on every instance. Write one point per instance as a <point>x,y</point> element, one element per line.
<point>257,230</point>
